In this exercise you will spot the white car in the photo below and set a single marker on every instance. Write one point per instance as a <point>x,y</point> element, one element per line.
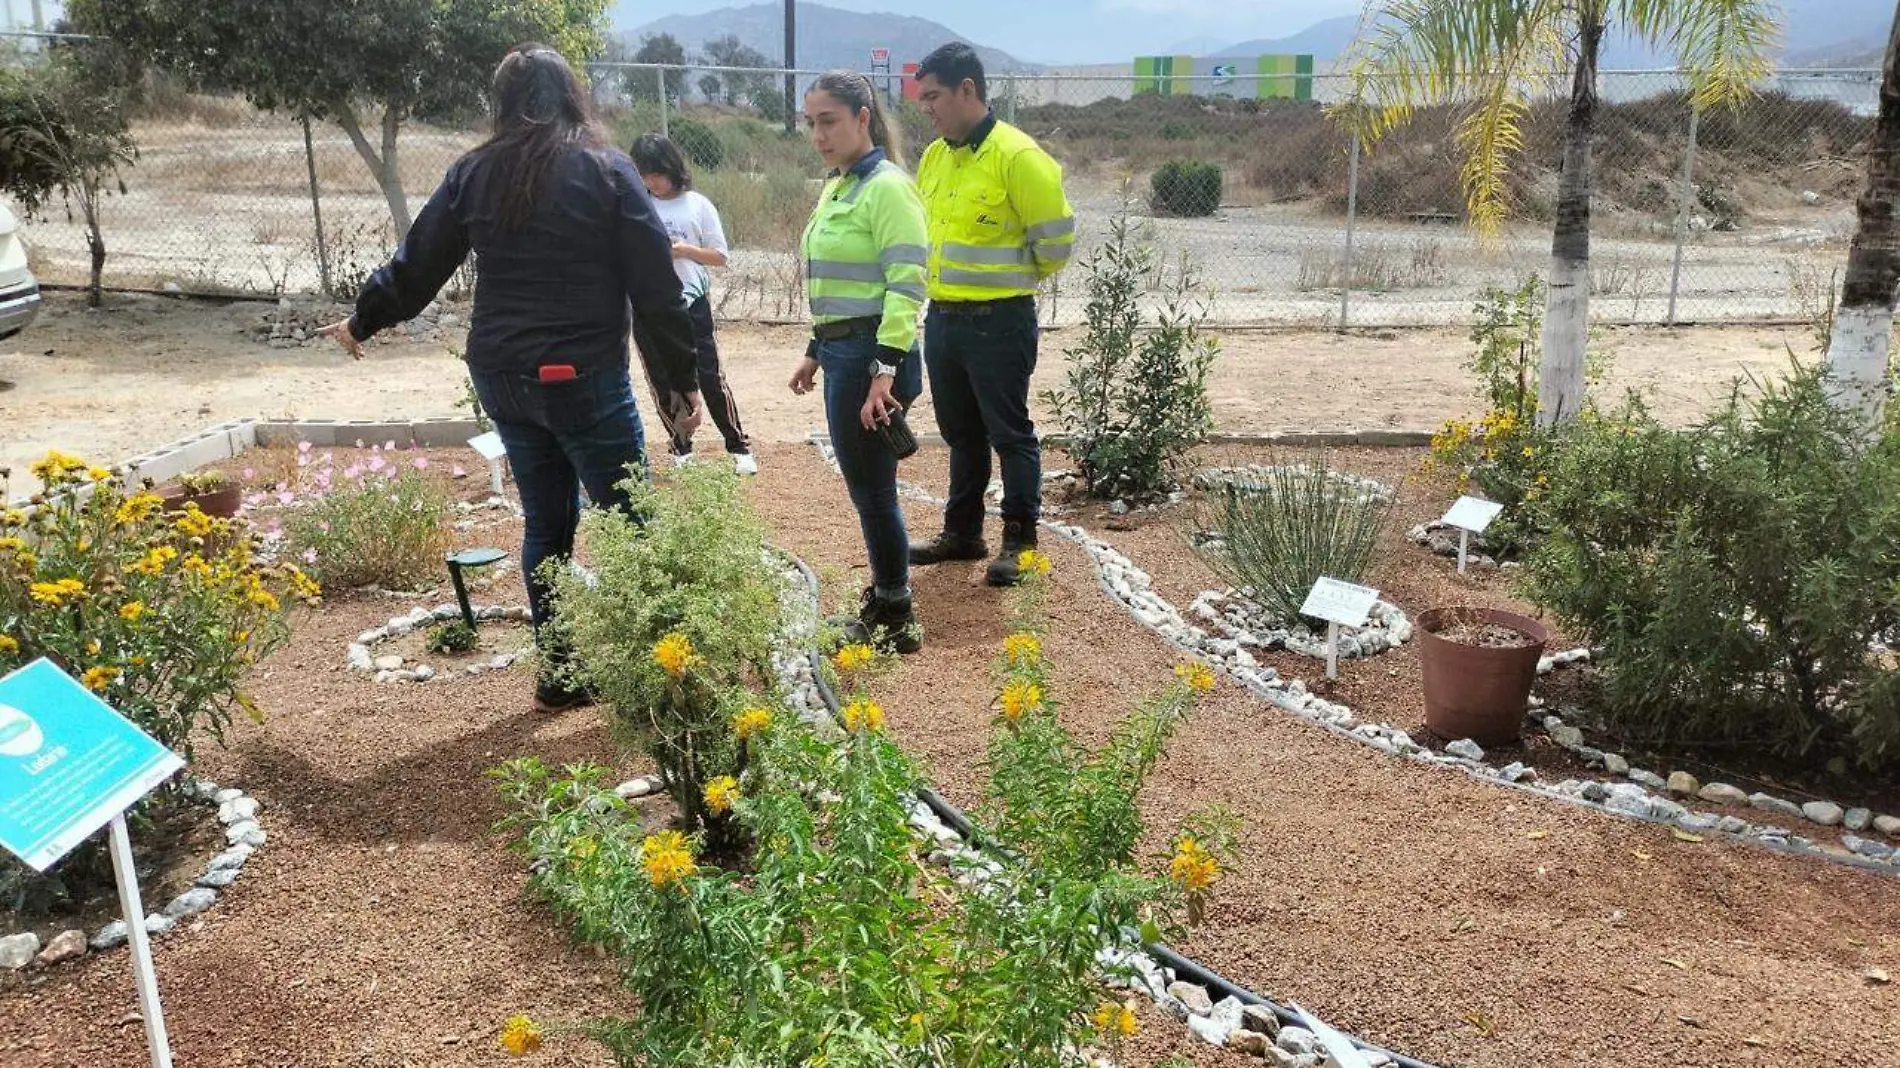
<point>19,290</point>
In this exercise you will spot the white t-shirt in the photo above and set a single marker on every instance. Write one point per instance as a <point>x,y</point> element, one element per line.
<point>691,218</point>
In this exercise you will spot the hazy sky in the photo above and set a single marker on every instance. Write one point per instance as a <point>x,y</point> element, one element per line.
<point>1069,31</point>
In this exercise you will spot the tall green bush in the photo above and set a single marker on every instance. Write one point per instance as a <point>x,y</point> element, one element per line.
<point>1741,574</point>
<point>1298,523</point>
<point>1134,399</point>
<point>1189,189</point>
<point>699,143</point>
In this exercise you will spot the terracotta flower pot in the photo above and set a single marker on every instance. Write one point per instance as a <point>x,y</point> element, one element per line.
<point>1474,691</point>
<point>219,503</point>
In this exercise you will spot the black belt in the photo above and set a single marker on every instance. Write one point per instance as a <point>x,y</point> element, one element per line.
<point>980,307</point>
<point>844,328</point>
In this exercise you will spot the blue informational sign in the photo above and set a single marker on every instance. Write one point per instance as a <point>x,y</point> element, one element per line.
<point>68,763</point>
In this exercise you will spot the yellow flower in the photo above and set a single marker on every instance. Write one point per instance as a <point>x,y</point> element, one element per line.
<point>751,722</point>
<point>1022,649</point>
<point>194,523</point>
<point>130,611</point>
<point>720,793</point>
<point>1034,562</point>
<point>97,473</point>
<point>674,654</point>
<point>1021,698</point>
<point>55,466</point>
<point>854,657</point>
<point>1119,1020</point>
<point>520,1036</point>
<point>93,647</point>
<point>135,508</point>
<point>667,858</point>
<point>58,593</point>
<point>266,600</point>
<point>154,560</point>
<point>582,848</point>
<point>1193,866</point>
<point>11,545</point>
<point>863,714</point>
<point>9,644</point>
<point>98,678</point>
<point>12,517</point>
<point>303,585</point>
<point>196,565</point>
<point>1198,676</point>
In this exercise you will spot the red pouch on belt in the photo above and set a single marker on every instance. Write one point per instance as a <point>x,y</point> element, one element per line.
<point>558,372</point>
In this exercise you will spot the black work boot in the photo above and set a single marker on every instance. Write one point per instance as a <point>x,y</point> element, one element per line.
<point>948,546</point>
<point>1006,570</point>
<point>888,624</point>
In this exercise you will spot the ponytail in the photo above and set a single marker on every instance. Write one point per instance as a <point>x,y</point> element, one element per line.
<point>856,92</point>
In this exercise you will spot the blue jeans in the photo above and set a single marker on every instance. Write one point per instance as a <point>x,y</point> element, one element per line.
<point>979,384</point>
<point>562,437</point>
<point>869,466</point>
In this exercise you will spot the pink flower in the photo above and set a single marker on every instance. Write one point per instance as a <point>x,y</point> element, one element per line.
<point>354,472</point>
<point>389,445</point>
<point>276,528</point>
<point>286,498</point>
<point>309,556</point>
<point>376,463</point>
<point>252,500</point>
<point>323,526</point>
<point>303,446</point>
<point>421,463</point>
<point>250,473</point>
<point>359,443</point>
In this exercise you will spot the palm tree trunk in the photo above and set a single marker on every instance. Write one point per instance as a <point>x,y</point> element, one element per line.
<point>1863,327</point>
<point>1567,312</point>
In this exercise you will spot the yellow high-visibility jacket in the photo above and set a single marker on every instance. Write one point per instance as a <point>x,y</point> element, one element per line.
<point>999,220</point>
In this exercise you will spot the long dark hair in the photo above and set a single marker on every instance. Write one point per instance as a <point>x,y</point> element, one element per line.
<point>856,92</point>
<point>541,112</point>
<point>654,154</point>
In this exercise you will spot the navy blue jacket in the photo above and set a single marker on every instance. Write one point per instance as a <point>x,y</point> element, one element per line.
<point>557,290</point>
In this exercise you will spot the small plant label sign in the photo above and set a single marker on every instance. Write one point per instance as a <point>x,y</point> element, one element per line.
<point>1471,515</point>
<point>1340,604</point>
<point>489,447</point>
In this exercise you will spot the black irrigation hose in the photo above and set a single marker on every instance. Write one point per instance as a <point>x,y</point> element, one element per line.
<point>1185,967</point>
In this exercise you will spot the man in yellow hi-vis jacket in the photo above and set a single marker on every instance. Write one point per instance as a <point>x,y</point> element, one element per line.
<point>999,225</point>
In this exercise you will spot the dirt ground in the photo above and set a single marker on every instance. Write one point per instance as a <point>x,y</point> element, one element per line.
<point>113,383</point>
<point>383,925</point>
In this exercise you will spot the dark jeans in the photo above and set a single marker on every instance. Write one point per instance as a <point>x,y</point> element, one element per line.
<point>562,437</point>
<point>714,393</point>
<point>979,383</point>
<point>869,466</point>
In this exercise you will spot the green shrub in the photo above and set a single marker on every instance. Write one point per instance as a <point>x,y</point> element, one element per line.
<point>1740,574</point>
<point>698,143</point>
<point>839,943</point>
<point>677,626</point>
<point>378,522</point>
<point>1134,399</point>
<point>1286,529</point>
<point>1186,188</point>
<point>456,637</point>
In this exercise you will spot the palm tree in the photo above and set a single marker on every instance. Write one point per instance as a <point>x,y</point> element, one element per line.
<point>1495,57</point>
<point>1863,326</point>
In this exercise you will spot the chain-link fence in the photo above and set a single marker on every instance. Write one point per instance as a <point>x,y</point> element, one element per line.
<point>1736,214</point>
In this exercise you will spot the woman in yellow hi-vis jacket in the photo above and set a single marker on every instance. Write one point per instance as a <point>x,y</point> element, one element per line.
<point>865,250</point>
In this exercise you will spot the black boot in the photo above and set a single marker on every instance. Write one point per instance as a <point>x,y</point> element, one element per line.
<point>888,624</point>
<point>948,546</point>
<point>1006,570</point>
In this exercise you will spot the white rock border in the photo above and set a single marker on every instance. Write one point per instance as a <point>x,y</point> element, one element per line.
<point>1236,617</point>
<point>1632,800</point>
<point>361,653</point>
<point>243,836</point>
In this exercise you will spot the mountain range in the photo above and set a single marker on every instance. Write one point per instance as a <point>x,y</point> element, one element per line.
<point>1827,33</point>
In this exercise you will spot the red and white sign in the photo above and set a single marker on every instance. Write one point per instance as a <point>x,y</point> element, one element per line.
<point>880,57</point>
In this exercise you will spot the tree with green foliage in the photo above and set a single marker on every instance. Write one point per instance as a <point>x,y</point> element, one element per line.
<point>731,88</point>
<point>63,130</point>
<point>665,49</point>
<point>370,65</point>
<point>1495,57</point>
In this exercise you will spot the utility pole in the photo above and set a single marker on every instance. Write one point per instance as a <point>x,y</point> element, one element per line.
<point>791,64</point>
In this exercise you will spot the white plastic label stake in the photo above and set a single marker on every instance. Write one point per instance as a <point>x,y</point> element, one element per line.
<point>1471,515</point>
<point>489,447</point>
<point>1340,604</point>
<point>1332,650</point>
<point>144,975</point>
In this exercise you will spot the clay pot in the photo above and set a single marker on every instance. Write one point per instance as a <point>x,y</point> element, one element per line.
<point>1472,691</point>
<point>218,503</point>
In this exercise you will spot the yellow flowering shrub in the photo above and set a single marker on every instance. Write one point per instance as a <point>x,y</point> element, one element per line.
<point>520,1036</point>
<point>160,615</point>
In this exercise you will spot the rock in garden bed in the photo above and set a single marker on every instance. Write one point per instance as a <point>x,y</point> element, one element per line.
<point>1234,615</point>
<point>1442,540</point>
<point>401,649</point>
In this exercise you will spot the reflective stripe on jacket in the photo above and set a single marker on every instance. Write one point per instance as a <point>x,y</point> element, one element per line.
<point>864,251</point>
<point>999,220</point>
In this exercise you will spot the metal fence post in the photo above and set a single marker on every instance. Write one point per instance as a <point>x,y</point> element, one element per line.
<point>1352,224</point>
<point>1682,211</point>
<point>659,74</point>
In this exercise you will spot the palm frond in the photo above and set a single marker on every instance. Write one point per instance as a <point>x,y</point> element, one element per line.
<point>1723,46</point>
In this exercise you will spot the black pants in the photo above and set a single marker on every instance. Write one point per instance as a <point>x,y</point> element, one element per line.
<point>714,393</point>
<point>979,385</point>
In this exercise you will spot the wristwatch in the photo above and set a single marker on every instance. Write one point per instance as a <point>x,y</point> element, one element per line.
<point>880,369</point>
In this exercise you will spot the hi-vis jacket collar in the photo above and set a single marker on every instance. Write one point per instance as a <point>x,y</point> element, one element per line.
<point>979,134</point>
<point>864,166</point>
